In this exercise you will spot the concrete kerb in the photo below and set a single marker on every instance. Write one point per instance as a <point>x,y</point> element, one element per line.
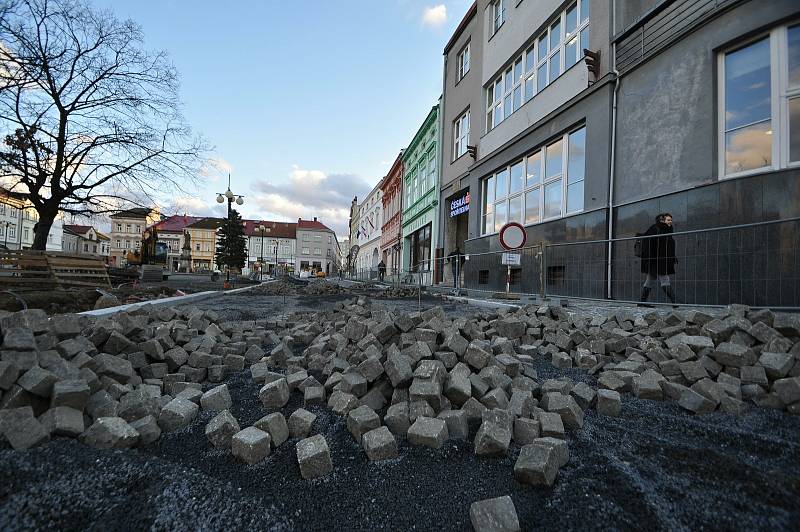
<point>170,301</point>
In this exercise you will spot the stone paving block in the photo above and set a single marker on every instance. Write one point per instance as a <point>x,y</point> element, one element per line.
<point>609,403</point>
<point>190,394</point>
<point>476,356</point>
<point>428,432</point>
<point>148,429</point>
<point>300,423</point>
<point>380,444</point>
<point>473,408</point>
<point>250,445</point>
<point>63,421</point>
<point>313,396</point>
<point>277,427</point>
<point>110,433</point>
<point>526,430</point>
<point>457,426</point>
<point>361,420</point>
<point>492,438</point>
<point>566,407</point>
<point>776,365</point>
<point>536,465</point>
<point>216,399</point>
<point>342,403</point>
<point>584,395</point>
<point>9,373</point>
<point>314,457</point>
<point>695,402</point>
<point>19,339</point>
<point>397,419</point>
<point>788,389</point>
<point>221,429</point>
<point>559,447</point>
<point>274,395</point>
<point>38,381</point>
<point>177,414</point>
<point>494,515</point>
<point>398,369</point>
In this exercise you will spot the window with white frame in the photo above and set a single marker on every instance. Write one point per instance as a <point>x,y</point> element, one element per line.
<point>119,228</point>
<point>462,63</point>
<point>551,53</point>
<point>26,233</point>
<point>3,209</point>
<point>759,97</point>
<point>317,251</point>
<point>498,10</point>
<point>431,179</point>
<point>546,184</point>
<point>306,251</point>
<point>461,135</point>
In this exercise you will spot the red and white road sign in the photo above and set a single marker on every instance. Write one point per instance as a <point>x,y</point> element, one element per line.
<point>513,236</point>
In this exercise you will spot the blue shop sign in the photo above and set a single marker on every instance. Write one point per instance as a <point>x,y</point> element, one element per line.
<point>459,205</point>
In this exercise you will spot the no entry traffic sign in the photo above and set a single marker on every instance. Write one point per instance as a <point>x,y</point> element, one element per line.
<point>512,236</point>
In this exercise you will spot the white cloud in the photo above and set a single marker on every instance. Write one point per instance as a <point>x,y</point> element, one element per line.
<point>309,193</point>
<point>215,167</point>
<point>434,16</point>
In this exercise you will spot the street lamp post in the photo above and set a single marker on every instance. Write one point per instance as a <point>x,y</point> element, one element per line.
<point>275,269</point>
<point>261,230</point>
<point>221,197</point>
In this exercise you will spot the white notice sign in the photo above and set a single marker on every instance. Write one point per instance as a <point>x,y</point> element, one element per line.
<point>511,259</point>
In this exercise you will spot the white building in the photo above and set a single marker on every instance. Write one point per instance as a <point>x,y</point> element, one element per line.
<point>317,247</point>
<point>275,244</point>
<point>369,231</point>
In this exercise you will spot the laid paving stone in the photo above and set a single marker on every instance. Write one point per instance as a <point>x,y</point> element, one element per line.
<point>277,427</point>
<point>216,399</point>
<point>148,429</point>
<point>494,515</point>
<point>536,465</point>
<point>428,432</point>
<point>314,457</point>
<point>221,429</point>
<point>361,420</point>
<point>177,414</point>
<point>609,403</point>
<point>274,395</point>
<point>110,433</point>
<point>250,445</point>
<point>380,444</point>
<point>300,423</point>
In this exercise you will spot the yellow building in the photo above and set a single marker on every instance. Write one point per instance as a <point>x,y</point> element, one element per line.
<point>204,243</point>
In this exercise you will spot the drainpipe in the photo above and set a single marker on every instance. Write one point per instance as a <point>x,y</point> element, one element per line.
<point>612,172</point>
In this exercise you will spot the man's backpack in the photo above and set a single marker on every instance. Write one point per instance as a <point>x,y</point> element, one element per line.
<point>637,245</point>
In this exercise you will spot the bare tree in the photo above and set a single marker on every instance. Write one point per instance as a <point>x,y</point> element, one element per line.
<point>92,120</point>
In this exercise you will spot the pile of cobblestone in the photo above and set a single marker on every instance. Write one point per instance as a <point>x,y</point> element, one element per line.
<point>120,381</point>
<point>396,292</point>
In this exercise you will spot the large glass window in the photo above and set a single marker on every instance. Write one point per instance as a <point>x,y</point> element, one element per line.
<point>546,184</point>
<point>760,104</point>
<point>498,14</point>
<point>555,50</point>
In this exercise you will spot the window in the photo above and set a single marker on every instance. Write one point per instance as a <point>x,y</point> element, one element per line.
<point>138,228</point>
<point>552,53</point>
<point>119,228</point>
<point>3,209</point>
<point>462,63</point>
<point>546,184</point>
<point>306,251</point>
<point>306,237</point>
<point>461,135</point>
<point>498,14</point>
<point>317,251</point>
<point>330,241</point>
<point>317,238</point>
<point>26,233</point>
<point>759,96</point>
<point>128,228</point>
<point>94,249</point>
<point>119,244</point>
<point>85,247</point>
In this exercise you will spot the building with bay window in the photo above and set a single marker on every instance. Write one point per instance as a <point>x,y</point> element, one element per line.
<point>691,108</point>
<point>420,218</point>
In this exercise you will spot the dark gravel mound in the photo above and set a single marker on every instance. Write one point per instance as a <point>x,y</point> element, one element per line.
<point>654,468</point>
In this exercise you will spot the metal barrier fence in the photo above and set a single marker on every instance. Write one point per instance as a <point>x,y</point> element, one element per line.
<point>753,264</point>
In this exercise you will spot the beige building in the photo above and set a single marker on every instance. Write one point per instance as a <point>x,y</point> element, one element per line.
<point>86,240</point>
<point>127,228</point>
<point>204,243</point>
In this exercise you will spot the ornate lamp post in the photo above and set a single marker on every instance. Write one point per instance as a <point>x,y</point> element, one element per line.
<point>261,230</point>
<point>221,197</point>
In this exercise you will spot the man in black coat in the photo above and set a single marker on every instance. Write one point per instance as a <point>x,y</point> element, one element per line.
<point>658,257</point>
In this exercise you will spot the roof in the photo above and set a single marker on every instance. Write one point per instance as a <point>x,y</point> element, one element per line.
<point>176,223</point>
<point>77,229</point>
<point>471,12</point>
<point>137,212</point>
<point>102,236</point>
<point>207,223</point>
<point>312,225</point>
<point>273,229</point>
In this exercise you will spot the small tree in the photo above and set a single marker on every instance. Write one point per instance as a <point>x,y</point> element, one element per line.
<point>231,243</point>
<point>89,119</point>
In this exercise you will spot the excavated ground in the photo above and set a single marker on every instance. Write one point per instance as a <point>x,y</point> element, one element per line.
<point>654,468</point>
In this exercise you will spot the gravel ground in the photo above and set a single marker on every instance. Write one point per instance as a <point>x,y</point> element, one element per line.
<point>654,468</point>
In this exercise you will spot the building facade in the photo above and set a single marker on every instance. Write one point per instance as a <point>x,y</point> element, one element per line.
<point>11,208</point>
<point>317,248</point>
<point>87,241</point>
<point>420,189</point>
<point>391,230</point>
<point>369,231</point>
<point>352,239</point>
<point>172,231</point>
<point>270,244</point>
<point>127,228</point>
<point>203,236</point>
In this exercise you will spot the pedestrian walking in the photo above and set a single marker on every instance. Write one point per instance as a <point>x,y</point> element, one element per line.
<point>456,260</point>
<point>658,257</point>
<point>381,270</point>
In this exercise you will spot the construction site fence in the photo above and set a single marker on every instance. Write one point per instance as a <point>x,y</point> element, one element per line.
<point>755,264</point>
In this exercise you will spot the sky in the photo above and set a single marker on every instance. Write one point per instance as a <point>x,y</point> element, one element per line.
<point>307,103</point>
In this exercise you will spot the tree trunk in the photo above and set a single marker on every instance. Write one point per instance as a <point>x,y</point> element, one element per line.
<point>46,219</point>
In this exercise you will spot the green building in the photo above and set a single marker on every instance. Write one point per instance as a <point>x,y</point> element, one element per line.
<point>420,200</point>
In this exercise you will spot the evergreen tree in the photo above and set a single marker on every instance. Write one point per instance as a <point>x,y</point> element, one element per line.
<point>232,244</point>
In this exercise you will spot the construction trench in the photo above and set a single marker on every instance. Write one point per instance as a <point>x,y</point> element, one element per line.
<point>328,407</point>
